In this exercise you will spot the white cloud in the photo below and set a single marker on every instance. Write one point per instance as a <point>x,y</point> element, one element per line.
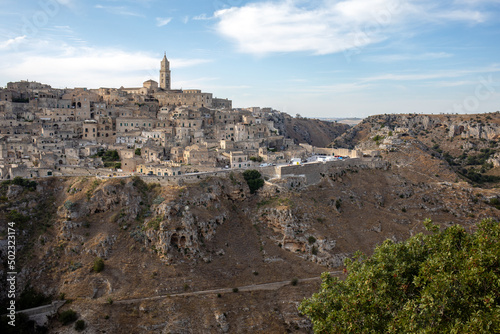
<point>410,56</point>
<point>329,27</point>
<point>119,10</point>
<point>344,88</point>
<point>68,3</point>
<point>12,42</point>
<point>163,21</point>
<point>432,75</point>
<point>202,17</point>
<point>182,63</point>
<point>69,66</point>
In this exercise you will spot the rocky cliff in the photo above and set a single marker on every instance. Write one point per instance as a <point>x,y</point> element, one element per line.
<point>466,143</point>
<point>311,131</point>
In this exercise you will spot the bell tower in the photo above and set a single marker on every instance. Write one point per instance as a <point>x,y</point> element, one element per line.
<point>165,73</point>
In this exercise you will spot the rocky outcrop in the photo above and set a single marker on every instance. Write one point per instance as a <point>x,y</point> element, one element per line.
<point>311,131</point>
<point>289,233</point>
<point>99,198</point>
<point>14,191</point>
<point>480,127</point>
<point>176,231</point>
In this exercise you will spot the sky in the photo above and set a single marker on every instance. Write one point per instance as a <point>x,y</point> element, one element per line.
<point>333,59</point>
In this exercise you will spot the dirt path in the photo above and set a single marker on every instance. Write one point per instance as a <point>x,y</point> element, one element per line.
<point>253,287</point>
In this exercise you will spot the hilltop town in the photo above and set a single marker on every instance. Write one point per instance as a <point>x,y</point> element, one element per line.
<point>150,130</point>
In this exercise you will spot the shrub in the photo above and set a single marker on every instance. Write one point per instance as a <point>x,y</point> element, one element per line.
<point>311,239</point>
<point>235,290</point>
<point>110,155</point>
<point>80,325</point>
<point>314,250</point>
<point>67,317</point>
<point>155,223</point>
<point>256,159</point>
<point>30,298</point>
<point>495,202</point>
<point>17,217</point>
<point>31,185</point>
<point>445,282</point>
<point>295,281</point>
<point>98,265</point>
<point>378,138</point>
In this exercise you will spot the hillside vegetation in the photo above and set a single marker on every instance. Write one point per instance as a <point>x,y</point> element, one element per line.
<point>446,282</point>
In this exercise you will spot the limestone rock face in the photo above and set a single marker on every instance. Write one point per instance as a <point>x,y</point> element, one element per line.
<point>495,160</point>
<point>104,198</point>
<point>180,227</point>
<point>289,233</point>
<point>110,196</point>
<point>14,191</point>
<point>178,232</point>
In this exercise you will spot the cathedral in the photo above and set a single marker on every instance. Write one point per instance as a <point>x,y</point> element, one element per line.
<point>188,97</point>
<point>167,96</point>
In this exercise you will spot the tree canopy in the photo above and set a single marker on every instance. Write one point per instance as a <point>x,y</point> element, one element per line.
<point>254,180</point>
<point>444,282</point>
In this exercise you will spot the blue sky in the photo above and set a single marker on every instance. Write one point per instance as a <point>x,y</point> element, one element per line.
<point>350,58</point>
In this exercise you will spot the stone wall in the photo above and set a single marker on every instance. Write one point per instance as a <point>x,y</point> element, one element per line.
<point>187,178</point>
<point>313,171</point>
<point>344,152</point>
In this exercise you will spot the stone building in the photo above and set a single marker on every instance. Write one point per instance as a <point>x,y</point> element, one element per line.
<point>165,83</point>
<point>239,159</point>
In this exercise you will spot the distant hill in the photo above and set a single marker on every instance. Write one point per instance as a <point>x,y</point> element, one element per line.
<point>469,144</point>
<point>350,121</point>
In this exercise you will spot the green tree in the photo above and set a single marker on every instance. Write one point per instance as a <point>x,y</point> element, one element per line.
<point>137,151</point>
<point>98,265</point>
<point>444,282</point>
<point>110,155</point>
<point>257,159</point>
<point>254,180</point>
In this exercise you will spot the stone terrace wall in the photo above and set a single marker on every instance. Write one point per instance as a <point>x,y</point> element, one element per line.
<point>187,178</point>
<point>313,171</point>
